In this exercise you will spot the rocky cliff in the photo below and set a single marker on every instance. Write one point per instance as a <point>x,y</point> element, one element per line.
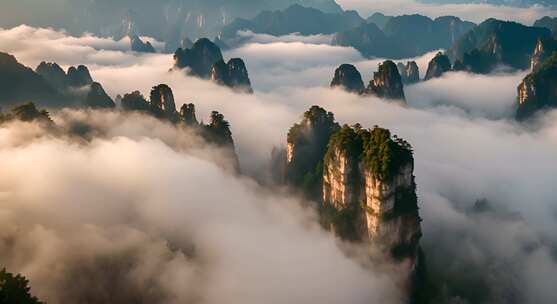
<point>233,74</point>
<point>386,82</point>
<point>369,195</point>
<point>403,36</point>
<point>409,73</point>
<point>19,83</point>
<point>137,45</point>
<point>97,97</point>
<point>79,77</point>
<point>306,147</point>
<point>369,173</point>
<point>53,74</point>
<point>204,59</point>
<point>498,43</point>
<point>439,65</point>
<point>294,19</point>
<point>543,50</point>
<point>199,58</point>
<point>348,78</point>
<point>538,90</point>
<point>187,115</point>
<point>162,102</point>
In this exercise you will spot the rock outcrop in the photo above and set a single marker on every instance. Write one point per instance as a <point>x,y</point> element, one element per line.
<point>306,147</point>
<point>134,102</point>
<point>53,74</point>
<point>295,19</point>
<point>538,90</point>
<point>439,65</point>
<point>204,59</point>
<point>369,194</point>
<point>187,115</point>
<point>137,45</point>
<point>549,23</point>
<point>403,36</point>
<point>495,42</point>
<point>233,74</point>
<point>370,41</point>
<point>544,49</point>
<point>199,59</point>
<point>162,102</point>
<point>19,83</point>
<point>348,78</point>
<point>79,77</point>
<point>386,82</point>
<point>97,97</point>
<point>409,73</point>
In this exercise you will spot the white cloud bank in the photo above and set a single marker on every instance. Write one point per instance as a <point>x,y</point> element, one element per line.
<point>465,149</point>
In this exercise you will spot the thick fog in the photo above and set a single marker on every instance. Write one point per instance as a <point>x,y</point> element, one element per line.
<point>196,232</point>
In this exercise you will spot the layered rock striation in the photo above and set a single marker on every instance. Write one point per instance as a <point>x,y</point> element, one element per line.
<point>409,73</point>
<point>233,74</point>
<point>538,90</point>
<point>386,82</point>
<point>306,146</point>
<point>439,65</point>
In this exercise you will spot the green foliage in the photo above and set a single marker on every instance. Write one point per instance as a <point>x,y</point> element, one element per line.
<point>384,155</point>
<point>135,102</point>
<point>218,130</point>
<point>14,289</point>
<point>309,139</point>
<point>26,112</point>
<point>345,221</point>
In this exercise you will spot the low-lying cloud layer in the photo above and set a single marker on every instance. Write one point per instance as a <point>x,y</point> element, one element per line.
<point>466,148</point>
<point>128,218</point>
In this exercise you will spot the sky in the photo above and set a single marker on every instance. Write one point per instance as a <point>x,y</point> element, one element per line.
<point>159,206</point>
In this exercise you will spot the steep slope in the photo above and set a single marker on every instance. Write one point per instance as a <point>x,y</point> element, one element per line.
<point>439,65</point>
<point>166,20</point>
<point>233,74</point>
<point>21,84</point>
<point>370,41</point>
<point>295,19</point>
<point>549,23</point>
<point>386,82</point>
<point>404,36</point>
<point>409,73</point>
<point>307,144</point>
<point>348,78</point>
<point>137,45</point>
<point>199,58</point>
<point>496,42</point>
<point>543,50</point>
<point>538,90</point>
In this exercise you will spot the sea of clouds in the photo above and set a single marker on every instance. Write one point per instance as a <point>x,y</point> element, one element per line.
<point>143,208</point>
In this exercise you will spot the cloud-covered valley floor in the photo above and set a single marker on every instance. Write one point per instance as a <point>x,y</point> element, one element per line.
<point>162,198</point>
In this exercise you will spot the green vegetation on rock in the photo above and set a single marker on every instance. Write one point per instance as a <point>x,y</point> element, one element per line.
<point>14,289</point>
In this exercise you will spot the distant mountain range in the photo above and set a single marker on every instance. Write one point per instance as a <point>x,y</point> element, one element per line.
<point>165,20</point>
<point>497,2</point>
<point>295,19</point>
<point>403,36</point>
